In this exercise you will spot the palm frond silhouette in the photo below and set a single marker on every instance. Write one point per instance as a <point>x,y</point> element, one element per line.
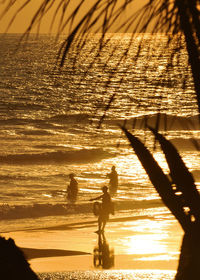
<point>180,20</point>
<point>177,18</point>
<point>178,194</point>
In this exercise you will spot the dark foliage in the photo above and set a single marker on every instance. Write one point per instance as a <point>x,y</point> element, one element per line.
<point>13,264</point>
<point>180,195</point>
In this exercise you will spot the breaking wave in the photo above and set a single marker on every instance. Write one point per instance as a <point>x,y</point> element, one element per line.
<point>8,212</point>
<point>67,118</point>
<point>166,122</point>
<point>189,144</point>
<point>77,156</point>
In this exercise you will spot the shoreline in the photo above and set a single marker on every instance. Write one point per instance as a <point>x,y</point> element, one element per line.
<point>136,243</point>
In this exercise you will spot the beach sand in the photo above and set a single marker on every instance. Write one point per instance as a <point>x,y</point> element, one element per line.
<point>139,243</point>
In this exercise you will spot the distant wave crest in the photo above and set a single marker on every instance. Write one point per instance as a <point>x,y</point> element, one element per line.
<point>166,122</point>
<point>76,156</point>
<point>170,122</point>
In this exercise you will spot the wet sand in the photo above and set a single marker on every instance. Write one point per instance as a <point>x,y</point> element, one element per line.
<point>139,243</point>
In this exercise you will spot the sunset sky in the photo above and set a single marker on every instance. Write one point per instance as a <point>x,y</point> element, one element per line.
<point>23,19</point>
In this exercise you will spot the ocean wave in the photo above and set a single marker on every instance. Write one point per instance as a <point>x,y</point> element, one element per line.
<point>166,122</point>
<point>47,147</point>
<point>189,144</point>
<point>76,156</point>
<point>25,121</point>
<point>14,121</point>
<point>8,212</point>
<point>36,132</point>
<point>54,122</point>
<point>171,122</point>
<point>68,118</point>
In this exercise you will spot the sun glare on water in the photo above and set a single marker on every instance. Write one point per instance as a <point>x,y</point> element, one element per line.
<point>145,244</point>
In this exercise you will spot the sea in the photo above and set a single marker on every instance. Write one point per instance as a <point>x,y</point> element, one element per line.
<point>56,121</point>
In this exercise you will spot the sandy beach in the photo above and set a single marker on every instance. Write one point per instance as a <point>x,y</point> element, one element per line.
<point>70,246</point>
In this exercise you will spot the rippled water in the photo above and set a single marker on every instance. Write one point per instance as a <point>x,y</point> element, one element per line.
<point>49,123</point>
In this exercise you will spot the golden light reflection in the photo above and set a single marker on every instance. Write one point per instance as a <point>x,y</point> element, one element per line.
<point>162,257</point>
<point>145,244</point>
<point>157,226</point>
<point>130,167</point>
<point>149,238</point>
<point>160,158</point>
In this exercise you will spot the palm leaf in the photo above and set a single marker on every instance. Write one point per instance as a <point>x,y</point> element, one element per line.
<point>159,180</point>
<point>180,174</point>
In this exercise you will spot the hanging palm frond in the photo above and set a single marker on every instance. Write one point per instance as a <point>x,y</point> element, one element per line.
<point>180,175</point>
<point>159,180</point>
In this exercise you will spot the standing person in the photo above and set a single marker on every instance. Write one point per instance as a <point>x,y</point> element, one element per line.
<point>113,184</point>
<point>72,189</point>
<point>105,209</point>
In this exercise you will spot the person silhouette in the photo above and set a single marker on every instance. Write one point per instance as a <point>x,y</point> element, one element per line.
<point>104,210</point>
<point>113,184</point>
<point>72,189</point>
